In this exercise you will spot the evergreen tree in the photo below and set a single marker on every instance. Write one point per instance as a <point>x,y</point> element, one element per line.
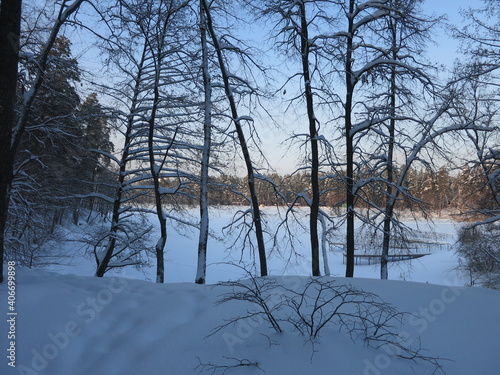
<point>53,132</point>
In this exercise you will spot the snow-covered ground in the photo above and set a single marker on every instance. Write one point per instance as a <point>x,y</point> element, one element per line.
<point>82,325</point>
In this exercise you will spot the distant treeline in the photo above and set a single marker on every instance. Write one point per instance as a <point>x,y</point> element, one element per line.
<point>431,191</point>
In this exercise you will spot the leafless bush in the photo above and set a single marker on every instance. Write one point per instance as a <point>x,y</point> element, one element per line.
<point>479,251</point>
<point>261,292</point>
<point>323,302</point>
<point>222,369</point>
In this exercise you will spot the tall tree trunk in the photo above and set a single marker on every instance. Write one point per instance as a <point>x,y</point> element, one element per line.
<point>313,136</point>
<point>155,171</point>
<point>390,200</point>
<point>162,220</point>
<point>10,21</point>
<point>386,239</point>
<point>92,203</point>
<point>259,234</point>
<point>324,247</point>
<point>201,270</point>
<point>350,83</point>
<point>102,263</point>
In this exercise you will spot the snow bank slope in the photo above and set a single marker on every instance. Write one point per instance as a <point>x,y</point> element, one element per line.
<point>71,325</point>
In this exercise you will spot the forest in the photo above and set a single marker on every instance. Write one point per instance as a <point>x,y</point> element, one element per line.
<point>115,109</point>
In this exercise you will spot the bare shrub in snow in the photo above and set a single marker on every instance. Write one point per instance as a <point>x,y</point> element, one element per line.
<point>479,251</point>
<point>222,369</point>
<point>260,292</point>
<point>323,303</point>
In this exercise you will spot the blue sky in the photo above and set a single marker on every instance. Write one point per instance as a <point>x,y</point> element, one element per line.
<point>445,51</point>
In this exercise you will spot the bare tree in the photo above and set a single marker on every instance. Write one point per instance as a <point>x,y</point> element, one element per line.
<point>294,21</point>
<point>407,32</point>
<point>378,45</point>
<point>117,48</point>
<point>480,40</point>
<point>149,37</point>
<point>157,38</point>
<point>305,50</point>
<point>201,269</point>
<point>221,46</point>
<point>353,54</point>
<point>360,17</point>
<point>480,43</point>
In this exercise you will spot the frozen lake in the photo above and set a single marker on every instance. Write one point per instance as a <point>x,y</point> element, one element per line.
<point>181,252</point>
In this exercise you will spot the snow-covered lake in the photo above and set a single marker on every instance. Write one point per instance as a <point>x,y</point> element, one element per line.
<point>181,253</point>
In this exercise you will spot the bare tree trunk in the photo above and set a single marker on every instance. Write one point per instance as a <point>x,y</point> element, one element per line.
<point>390,200</point>
<point>201,271</point>
<point>155,170</point>
<point>387,237</point>
<point>349,77</point>
<point>102,264</point>
<point>324,247</point>
<point>243,144</point>
<point>313,136</point>
<point>10,21</point>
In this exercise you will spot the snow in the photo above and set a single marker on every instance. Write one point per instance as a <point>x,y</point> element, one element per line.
<point>85,325</point>
<point>372,17</point>
<point>80,325</point>
<point>244,118</point>
<point>181,251</point>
